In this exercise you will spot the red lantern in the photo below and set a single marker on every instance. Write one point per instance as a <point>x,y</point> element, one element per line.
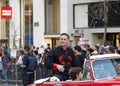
<point>99,36</point>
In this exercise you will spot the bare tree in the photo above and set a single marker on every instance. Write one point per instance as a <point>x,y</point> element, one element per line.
<point>105,19</point>
<point>99,12</point>
<point>14,35</point>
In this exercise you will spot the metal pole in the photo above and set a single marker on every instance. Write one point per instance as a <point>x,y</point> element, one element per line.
<point>20,23</point>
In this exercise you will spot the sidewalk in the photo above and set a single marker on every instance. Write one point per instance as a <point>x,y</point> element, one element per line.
<point>3,84</point>
<point>12,83</point>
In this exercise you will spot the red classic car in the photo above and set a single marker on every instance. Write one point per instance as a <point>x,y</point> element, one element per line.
<point>99,70</point>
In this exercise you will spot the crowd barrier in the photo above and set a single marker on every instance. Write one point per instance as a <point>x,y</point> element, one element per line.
<point>14,72</point>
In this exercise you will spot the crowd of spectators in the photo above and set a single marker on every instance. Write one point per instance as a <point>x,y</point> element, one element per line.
<point>81,52</point>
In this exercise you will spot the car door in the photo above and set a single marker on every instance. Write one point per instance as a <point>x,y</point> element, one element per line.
<point>79,83</point>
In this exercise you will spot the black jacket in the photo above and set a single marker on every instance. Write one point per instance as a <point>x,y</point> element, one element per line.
<point>25,61</point>
<point>62,57</point>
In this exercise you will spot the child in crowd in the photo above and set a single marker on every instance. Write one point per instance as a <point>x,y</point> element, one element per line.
<point>75,73</point>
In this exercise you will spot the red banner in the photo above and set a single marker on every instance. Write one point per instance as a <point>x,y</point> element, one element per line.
<point>0,12</point>
<point>6,12</point>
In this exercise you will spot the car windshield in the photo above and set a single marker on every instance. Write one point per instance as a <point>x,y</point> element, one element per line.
<point>106,68</point>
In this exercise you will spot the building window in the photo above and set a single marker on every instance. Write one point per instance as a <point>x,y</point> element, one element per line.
<point>114,14</point>
<point>52,18</point>
<point>80,16</point>
<point>96,14</point>
<point>28,17</point>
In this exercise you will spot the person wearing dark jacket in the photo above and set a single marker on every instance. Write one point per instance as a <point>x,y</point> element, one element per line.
<point>6,64</point>
<point>61,59</point>
<point>80,56</point>
<point>27,74</point>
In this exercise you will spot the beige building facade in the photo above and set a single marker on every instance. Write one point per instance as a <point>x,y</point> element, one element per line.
<point>40,22</point>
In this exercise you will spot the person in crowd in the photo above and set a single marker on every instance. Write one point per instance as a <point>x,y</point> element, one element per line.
<point>95,50</point>
<point>86,46</point>
<point>87,75</point>
<point>102,50</point>
<point>19,62</point>
<point>32,48</point>
<point>99,48</point>
<point>27,75</point>
<point>43,58</point>
<point>6,64</point>
<point>48,48</point>
<point>42,73</point>
<point>35,53</point>
<point>118,50</point>
<point>45,72</point>
<point>41,50</point>
<point>89,52</point>
<point>60,59</point>
<point>80,56</point>
<point>81,41</point>
<point>1,66</point>
<point>37,48</point>
<point>83,49</point>
<point>75,73</point>
<point>109,49</point>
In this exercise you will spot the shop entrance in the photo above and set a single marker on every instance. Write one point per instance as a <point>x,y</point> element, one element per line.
<point>113,39</point>
<point>55,42</point>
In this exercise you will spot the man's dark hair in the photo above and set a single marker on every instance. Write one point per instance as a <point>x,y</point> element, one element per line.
<point>118,50</point>
<point>112,49</point>
<point>5,51</point>
<point>78,48</point>
<point>27,48</point>
<point>22,52</point>
<point>90,50</point>
<point>87,45</point>
<point>73,71</point>
<point>65,35</point>
<point>36,52</point>
<point>48,44</point>
<point>33,47</point>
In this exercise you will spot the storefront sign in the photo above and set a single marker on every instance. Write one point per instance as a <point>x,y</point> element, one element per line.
<point>6,12</point>
<point>13,53</point>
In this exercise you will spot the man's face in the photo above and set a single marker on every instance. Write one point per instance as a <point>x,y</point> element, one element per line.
<point>64,40</point>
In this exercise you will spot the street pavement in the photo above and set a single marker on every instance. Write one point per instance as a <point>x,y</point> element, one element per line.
<point>12,83</point>
<point>4,84</point>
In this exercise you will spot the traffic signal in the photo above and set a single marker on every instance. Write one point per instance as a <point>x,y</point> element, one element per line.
<point>98,23</point>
